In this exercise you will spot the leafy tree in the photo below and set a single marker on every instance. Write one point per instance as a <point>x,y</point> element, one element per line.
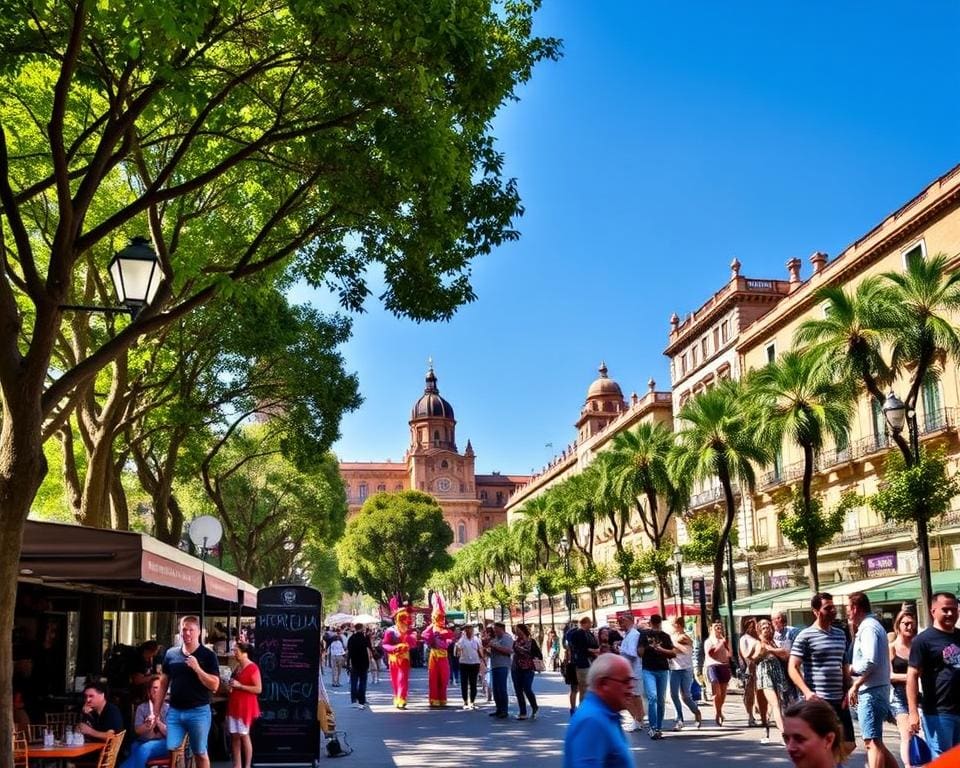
<point>266,504</point>
<point>394,543</point>
<point>703,536</point>
<point>718,441</point>
<point>797,397</point>
<point>921,491</point>
<point>575,507</point>
<point>242,138</point>
<point>657,561</point>
<point>804,523</point>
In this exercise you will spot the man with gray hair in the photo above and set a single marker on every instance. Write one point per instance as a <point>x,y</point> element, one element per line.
<point>594,736</point>
<point>783,637</point>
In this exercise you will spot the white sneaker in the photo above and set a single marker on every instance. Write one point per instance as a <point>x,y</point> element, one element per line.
<point>630,726</point>
<point>652,733</point>
<point>678,725</point>
<point>361,706</point>
<point>465,707</point>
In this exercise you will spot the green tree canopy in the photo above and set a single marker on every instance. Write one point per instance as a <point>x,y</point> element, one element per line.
<point>394,543</point>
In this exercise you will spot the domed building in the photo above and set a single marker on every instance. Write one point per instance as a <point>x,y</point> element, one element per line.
<point>603,405</point>
<point>471,503</point>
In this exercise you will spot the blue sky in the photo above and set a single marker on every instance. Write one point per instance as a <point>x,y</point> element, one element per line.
<point>668,139</point>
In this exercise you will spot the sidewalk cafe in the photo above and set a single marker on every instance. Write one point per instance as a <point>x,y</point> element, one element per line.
<point>83,593</point>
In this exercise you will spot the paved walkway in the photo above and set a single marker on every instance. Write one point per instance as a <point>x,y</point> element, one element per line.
<point>384,736</point>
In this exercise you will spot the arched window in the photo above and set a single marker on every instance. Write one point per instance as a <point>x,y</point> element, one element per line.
<point>461,533</point>
<point>399,487</point>
<point>363,491</point>
<point>436,434</point>
<point>381,488</point>
<point>444,464</point>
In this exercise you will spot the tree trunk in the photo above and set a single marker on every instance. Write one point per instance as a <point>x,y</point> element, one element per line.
<point>807,491</point>
<point>731,511</point>
<point>661,589</point>
<point>22,469</point>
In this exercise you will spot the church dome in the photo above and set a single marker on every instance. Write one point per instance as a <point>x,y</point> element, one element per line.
<point>431,405</point>
<point>604,386</point>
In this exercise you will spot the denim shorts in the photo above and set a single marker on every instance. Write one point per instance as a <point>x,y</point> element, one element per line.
<point>898,700</point>
<point>196,722</point>
<point>873,708</point>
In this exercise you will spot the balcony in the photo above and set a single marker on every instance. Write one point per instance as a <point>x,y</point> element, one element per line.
<point>710,496</point>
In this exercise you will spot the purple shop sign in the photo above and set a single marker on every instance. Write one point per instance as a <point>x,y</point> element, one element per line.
<point>883,562</point>
<point>780,581</point>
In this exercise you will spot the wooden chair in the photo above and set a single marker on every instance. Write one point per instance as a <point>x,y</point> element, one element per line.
<point>32,732</point>
<point>58,722</point>
<point>21,755</point>
<point>173,759</point>
<point>111,748</point>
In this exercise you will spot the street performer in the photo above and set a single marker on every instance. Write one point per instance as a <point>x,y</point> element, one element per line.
<point>438,639</point>
<point>396,644</point>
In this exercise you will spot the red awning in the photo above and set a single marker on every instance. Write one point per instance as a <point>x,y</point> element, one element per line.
<point>220,587</point>
<point>130,565</point>
<point>650,607</point>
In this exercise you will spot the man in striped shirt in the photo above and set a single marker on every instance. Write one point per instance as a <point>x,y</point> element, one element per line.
<point>818,664</point>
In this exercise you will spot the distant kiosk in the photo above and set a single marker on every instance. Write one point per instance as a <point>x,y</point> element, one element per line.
<point>287,635</point>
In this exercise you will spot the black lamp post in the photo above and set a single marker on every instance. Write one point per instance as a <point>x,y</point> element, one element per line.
<point>136,275</point>
<point>564,547</point>
<point>731,597</point>
<point>678,559</point>
<point>896,414</point>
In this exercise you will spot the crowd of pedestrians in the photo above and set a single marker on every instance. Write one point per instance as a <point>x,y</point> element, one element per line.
<point>807,681</point>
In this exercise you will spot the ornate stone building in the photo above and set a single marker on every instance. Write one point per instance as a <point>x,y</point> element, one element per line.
<point>471,503</point>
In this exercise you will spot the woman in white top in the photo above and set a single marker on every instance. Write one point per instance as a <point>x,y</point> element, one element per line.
<point>338,655</point>
<point>748,641</point>
<point>470,652</point>
<point>681,673</point>
<point>716,666</point>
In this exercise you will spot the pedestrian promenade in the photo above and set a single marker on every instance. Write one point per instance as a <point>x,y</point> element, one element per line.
<point>384,736</point>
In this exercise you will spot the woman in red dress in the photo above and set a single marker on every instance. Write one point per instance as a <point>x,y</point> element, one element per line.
<point>243,707</point>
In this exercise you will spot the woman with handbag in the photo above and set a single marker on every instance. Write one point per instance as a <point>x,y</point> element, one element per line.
<point>525,654</point>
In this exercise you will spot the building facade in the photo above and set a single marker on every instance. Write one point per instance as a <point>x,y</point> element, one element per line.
<point>604,414</point>
<point>867,547</point>
<point>433,464</point>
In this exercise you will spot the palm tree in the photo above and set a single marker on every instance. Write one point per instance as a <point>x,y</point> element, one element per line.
<point>532,526</point>
<point>574,511</point>
<point>851,332</point>
<point>922,297</point>
<point>798,397</point>
<point>717,442</point>
<point>635,468</point>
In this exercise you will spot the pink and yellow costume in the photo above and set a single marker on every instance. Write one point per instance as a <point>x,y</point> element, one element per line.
<point>438,639</point>
<point>396,644</point>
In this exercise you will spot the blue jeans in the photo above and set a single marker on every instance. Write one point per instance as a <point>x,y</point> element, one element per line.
<point>655,686</point>
<point>523,687</point>
<point>942,732</point>
<point>195,722</point>
<point>141,751</point>
<point>454,668</point>
<point>680,682</point>
<point>500,698</point>
<point>358,685</point>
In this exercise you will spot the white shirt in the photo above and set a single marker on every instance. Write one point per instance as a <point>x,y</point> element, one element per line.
<point>336,648</point>
<point>469,650</point>
<point>684,657</point>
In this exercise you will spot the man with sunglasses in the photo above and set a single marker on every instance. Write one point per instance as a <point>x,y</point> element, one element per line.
<point>594,736</point>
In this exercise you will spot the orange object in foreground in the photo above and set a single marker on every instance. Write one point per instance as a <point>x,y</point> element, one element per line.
<point>949,759</point>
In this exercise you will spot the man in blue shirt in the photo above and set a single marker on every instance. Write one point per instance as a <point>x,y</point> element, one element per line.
<point>594,736</point>
<point>870,693</point>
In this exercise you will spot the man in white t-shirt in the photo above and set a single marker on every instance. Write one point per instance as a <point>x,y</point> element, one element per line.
<point>629,651</point>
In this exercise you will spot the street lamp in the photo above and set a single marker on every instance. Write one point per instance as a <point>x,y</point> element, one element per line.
<point>896,413</point>
<point>136,275</point>
<point>678,559</point>
<point>564,548</point>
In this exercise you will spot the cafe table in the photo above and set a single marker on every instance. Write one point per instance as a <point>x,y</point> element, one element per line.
<point>61,752</point>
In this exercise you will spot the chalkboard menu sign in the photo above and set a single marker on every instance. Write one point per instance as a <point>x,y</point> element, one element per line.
<point>288,654</point>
